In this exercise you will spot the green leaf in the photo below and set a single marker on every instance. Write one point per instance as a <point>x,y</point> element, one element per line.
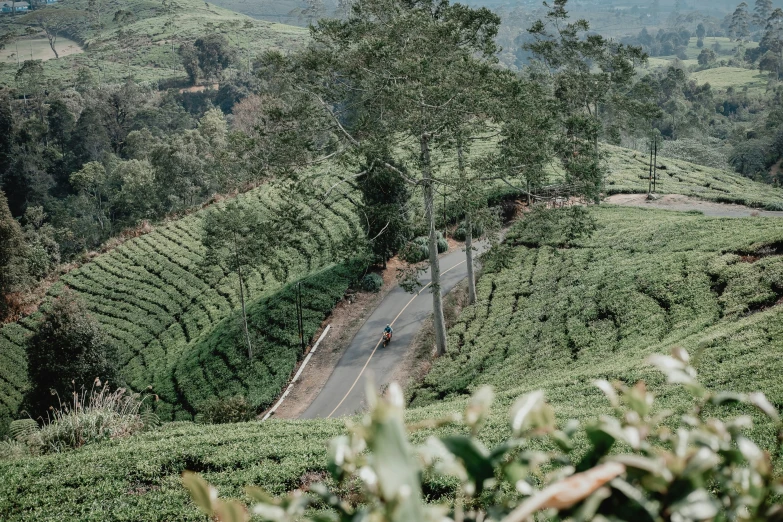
<point>259,495</point>
<point>698,505</point>
<point>475,459</point>
<point>523,408</point>
<point>231,511</point>
<point>609,391</point>
<point>727,397</point>
<point>202,493</point>
<point>760,401</point>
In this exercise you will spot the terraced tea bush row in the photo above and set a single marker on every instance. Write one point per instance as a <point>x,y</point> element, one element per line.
<point>628,172</point>
<point>217,366</point>
<point>158,302</point>
<point>643,275</point>
<point>138,478</point>
<point>648,280</point>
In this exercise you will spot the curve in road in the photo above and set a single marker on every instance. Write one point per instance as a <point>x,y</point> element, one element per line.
<point>343,393</point>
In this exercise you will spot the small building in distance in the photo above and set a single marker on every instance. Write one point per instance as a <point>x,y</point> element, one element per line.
<point>10,7</point>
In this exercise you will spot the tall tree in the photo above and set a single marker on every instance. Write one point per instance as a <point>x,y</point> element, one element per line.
<point>588,73</point>
<point>700,33</point>
<point>761,12</point>
<point>68,351</point>
<point>13,267</point>
<point>385,198</point>
<point>54,21</point>
<point>740,24</point>
<point>402,70</point>
<point>239,237</point>
<point>772,44</point>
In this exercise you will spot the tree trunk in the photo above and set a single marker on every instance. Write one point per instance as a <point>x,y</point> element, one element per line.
<point>242,301</point>
<point>429,208</point>
<point>52,41</point>
<point>468,232</point>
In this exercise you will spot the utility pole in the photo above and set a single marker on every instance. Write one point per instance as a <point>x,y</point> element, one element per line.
<point>299,317</point>
<point>652,141</point>
<point>655,164</point>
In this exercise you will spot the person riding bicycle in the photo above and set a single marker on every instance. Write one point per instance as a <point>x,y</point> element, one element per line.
<point>388,330</point>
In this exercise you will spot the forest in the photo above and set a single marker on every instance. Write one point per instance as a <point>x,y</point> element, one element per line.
<point>192,192</point>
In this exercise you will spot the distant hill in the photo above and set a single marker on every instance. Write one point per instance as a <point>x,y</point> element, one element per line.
<point>140,38</point>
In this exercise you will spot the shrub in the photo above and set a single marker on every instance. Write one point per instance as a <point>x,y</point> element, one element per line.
<point>460,234</point>
<point>13,449</point>
<point>560,228</point>
<point>225,410</point>
<point>443,245</point>
<point>418,250</point>
<point>638,463</point>
<point>372,282</point>
<point>775,207</point>
<point>69,350</point>
<point>413,252</point>
<point>91,417</point>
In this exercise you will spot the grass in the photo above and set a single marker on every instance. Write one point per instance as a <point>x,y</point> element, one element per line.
<point>552,318</point>
<point>169,316</point>
<point>37,49</point>
<point>146,49</point>
<point>628,172</point>
<point>721,78</point>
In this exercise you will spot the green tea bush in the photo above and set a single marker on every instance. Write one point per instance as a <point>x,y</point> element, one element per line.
<point>635,463</point>
<point>372,282</point>
<point>647,280</point>
<point>460,234</point>
<point>222,411</point>
<point>554,227</point>
<point>216,365</point>
<point>156,302</point>
<point>628,173</point>
<point>413,252</point>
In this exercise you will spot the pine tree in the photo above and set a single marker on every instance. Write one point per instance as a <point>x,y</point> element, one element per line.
<point>761,13</point>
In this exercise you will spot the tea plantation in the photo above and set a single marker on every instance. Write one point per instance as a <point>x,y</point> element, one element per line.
<point>628,172</point>
<point>548,317</point>
<point>559,318</point>
<point>172,320</point>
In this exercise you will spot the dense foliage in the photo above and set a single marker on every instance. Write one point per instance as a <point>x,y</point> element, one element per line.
<point>68,352</point>
<point>645,281</point>
<point>159,306</point>
<point>662,263</point>
<point>639,463</point>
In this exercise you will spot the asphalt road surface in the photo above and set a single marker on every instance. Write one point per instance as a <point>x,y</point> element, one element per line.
<point>344,392</point>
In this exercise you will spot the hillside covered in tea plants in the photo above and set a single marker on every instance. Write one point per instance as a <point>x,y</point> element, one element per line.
<point>172,316</point>
<point>549,317</point>
<point>557,317</point>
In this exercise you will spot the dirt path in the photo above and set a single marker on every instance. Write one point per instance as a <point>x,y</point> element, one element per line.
<point>685,203</point>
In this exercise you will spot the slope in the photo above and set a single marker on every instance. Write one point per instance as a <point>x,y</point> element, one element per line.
<point>144,45</point>
<point>628,172</point>
<point>161,308</point>
<point>558,318</point>
<point>550,318</point>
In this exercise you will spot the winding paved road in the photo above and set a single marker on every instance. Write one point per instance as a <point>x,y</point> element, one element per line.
<point>343,393</point>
